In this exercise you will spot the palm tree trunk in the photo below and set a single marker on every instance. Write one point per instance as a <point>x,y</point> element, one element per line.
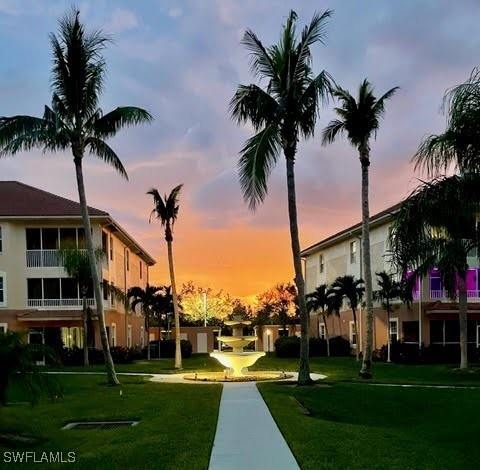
<point>366,371</point>
<point>326,335</point>
<point>389,340</point>
<point>462,318</point>
<point>147,327</point>
<point>85,326</point>
<point>304,365</point>
<point>110,367</point>
<point>178,351</point>
<point>356,334</point>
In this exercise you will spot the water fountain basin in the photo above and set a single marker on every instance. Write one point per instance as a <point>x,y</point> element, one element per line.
<point>236,361</point>
<point>237,341</point>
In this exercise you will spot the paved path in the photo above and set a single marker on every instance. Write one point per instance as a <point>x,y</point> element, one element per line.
<point>247,437</point>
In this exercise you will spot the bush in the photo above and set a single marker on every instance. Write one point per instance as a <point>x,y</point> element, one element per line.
<point>289,346</point>
<point>340,347</point>
<point>74,356</point>
<point>317,347</point>
<point>167,349</point>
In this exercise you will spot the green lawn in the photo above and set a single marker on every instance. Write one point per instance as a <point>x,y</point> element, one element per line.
<point>176,430</point>
<point>363,426</point>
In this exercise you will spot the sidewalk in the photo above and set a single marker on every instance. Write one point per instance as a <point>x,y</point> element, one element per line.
<point>247,437</point>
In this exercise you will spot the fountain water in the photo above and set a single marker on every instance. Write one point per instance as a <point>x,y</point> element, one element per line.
<point>237,359</point>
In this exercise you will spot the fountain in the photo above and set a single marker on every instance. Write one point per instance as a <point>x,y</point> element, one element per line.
<point>238,359</point>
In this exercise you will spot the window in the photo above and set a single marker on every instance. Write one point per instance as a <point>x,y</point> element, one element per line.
<point>33,239</point>
<point>321,331</point>
<point>105,289</point>
<point>104,243</point>
<point>72,337</point>
<point>68,238</point>
<point>111,248</point>
<point>1,244</point>
<point>410,331</point>
<point>321,266</point>
<point>69,288</point>
<point>141,270</point>
<point>393,329</point>
<point>129,336</point>
<point>113,335</point>
<point>353,335</point>
<point>127,259</point>
<point>50,238</point>
<point>34,289</point>
<point>51,288</point>
<point>112,296</point>
<point>436,286</point>
<point>3,288</point>
<point>353,252</point>
<point>3,327</point>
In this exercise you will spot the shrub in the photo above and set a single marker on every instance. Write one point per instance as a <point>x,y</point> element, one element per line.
<point>339,347</point>
<point>317,347</point>
<point>167,349</point>
<point>74,356</point>
<point>287,346</point>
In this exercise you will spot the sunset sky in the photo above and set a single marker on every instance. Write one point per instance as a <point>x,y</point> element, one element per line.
<point>182,61</point>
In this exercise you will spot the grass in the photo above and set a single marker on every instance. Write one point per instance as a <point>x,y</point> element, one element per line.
<point>176,430</point>
<point>362,426</point>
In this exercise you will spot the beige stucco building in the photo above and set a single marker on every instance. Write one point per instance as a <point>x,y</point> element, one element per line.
<point>431,319</point>
<point>36,295</point>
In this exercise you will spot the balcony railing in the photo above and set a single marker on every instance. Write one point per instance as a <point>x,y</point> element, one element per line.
<point>59,302</point>
<point>442,294</point>
<point>44,258</point>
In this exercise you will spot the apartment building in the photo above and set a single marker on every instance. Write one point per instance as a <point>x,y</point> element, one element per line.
<point>36,294</point>
<point>431,319</point>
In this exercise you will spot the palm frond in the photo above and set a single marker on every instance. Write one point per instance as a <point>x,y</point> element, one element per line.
<point>260,61</point>
<point>109,124</point>
<point>257,159</point>
<point>102,150</point>
<point>159,210</point>
<point>330,132</point>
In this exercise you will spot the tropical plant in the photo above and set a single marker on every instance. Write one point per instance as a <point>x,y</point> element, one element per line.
<point>75,122</point>
<point>352,290</point>
<point>359,120</point>
<point>19,364</point>
<point>436,227</point>
<point>318,301</point>
<point>389,290</point>
<point>166,210</point>
<point>162,306</point>
<point>76,264</point>
<point>146,298</point>
<point>280,114</point>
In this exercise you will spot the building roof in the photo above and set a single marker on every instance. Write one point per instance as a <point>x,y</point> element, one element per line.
<point>21,200</point>
<point>348,232</point>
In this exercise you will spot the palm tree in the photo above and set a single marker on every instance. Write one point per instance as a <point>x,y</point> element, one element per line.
<point>436,227</point>
<point>146,298</point>
<point>280,114</point>
<point>162,305</point>
<point>19,360</point>
<point>318,301</point>
<point>351,289</point>
<point>166,210</point>
<point>75,122</point>
<point>389,290</point>
<point>360,120</point>
<point>77,265</point>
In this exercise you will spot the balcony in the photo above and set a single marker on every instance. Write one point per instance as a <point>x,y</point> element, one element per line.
<point>59,302</point>
<point>44,258</point>
<point>442,294</point>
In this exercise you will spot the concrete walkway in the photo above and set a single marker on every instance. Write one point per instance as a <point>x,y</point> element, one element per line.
<point>247,437</point>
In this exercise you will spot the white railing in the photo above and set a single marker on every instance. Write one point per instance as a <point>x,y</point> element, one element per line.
<point>59,302</point>
<point>44,258</point>
<point>472,294</point>
<point>442,294</point>
<point>415,295</point>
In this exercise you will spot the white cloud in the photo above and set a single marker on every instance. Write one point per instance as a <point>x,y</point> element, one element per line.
<point>122,20</point>
<point>175,12</point>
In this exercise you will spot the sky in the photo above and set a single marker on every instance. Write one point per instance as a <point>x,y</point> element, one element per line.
<point>182,61</point>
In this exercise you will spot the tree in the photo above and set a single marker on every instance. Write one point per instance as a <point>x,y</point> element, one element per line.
<point>319,301</point>
<point>75,122</point>
<point>203,305</point>
<point>436,227</point>
<point>18,361</point>
<point>280,114</point>
<point>282,301</point>
<point>389,290</point>
<point>162,305</point>
<point>77,265</point>
<point>146,298</point>
<point>166,210</point>
<point>352,290</point>
<point>359,120</point>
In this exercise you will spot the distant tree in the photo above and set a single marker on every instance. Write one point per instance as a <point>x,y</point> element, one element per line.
<point>360,120</point>
<point>318,302</point>
<point>352,290</point>
<point>166,211</point>
<point>282,113</point>
<point>76,122</point>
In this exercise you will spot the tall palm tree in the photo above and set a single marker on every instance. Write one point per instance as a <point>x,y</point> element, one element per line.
<point>75,122</point>
<point>166,210</point>
<point>352,290</point>
<point>77,265</point>
<point>359,120</point>
<point>389,290</point>
<point>318,301</point>
<point>146,298</point>
<point>280,114</point>
<point>436,227</point>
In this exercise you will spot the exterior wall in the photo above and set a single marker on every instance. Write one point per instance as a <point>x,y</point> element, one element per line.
<point>191,334</point>
<point>13,266</point>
